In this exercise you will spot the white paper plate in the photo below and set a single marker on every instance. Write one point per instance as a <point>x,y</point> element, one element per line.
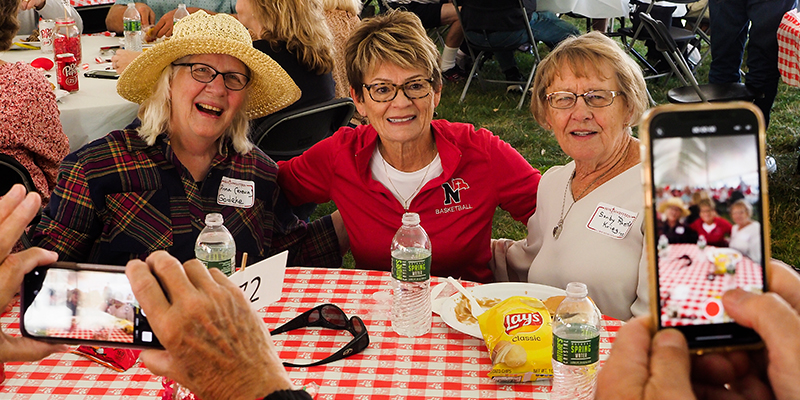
<point>712,252</point>
<point>500,291</point>
<point>21,39</point>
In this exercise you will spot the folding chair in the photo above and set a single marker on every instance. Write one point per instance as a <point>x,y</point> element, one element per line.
<point>629,35</point>
<point>13,172</point>
<point>480,53</point>
<point>288,134</point>
<point>691,91</point>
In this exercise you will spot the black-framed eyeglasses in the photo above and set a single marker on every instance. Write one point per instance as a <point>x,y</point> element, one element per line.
<point>329,316</point>
<point>593,98</point>
<point>385,92</point>
<point>205,73</point>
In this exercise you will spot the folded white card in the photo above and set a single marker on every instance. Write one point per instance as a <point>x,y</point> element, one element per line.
<point>262,282</point>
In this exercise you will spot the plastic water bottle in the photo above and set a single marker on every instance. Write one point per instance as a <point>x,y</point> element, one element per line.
<point>701,242</point>
<point>663,243</point>
<point>180,13</point>
<point>215,246</point>
<point>411,274</point>
<point>576,346</point>
<point>132,25</point>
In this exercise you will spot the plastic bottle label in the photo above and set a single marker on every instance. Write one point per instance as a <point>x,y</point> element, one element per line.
<point>576,351</point>
<point>132,25</point>
<point>411,270</point>
<point>224,265</point>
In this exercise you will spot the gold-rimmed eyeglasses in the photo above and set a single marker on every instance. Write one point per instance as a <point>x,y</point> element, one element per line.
<point>385,92</point>
<point>593,98</point>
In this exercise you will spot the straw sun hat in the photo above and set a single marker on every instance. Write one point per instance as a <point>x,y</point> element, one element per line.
<point>674,202</point>
<point>271,88</point>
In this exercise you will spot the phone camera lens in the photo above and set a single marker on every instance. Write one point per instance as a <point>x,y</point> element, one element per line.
<point>660,131</point>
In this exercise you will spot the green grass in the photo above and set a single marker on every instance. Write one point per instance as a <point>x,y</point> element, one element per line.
<point>488,106</point>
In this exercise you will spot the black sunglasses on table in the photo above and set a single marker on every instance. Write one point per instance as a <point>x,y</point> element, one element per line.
<point>329,316</point>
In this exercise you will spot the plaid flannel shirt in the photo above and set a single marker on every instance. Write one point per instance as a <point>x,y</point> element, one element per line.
<point>118,199</point>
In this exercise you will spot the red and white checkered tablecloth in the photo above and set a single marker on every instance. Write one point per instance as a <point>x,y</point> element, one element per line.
<point>84,3</point>
<point>789,48</point>
<point>116,334</point>
<point>692,280</point>
<point>443,364</point>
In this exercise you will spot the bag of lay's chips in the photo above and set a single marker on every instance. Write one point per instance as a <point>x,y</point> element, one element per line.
<point>519,336</point>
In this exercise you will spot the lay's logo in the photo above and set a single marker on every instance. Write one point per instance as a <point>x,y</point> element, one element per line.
<point>529,321</point>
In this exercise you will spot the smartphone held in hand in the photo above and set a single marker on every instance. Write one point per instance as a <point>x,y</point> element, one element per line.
<point>83,304</point>
<point>707,221</point>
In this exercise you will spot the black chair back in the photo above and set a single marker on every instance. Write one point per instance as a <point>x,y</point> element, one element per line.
<point>288,134</point>
<point>13,172</point>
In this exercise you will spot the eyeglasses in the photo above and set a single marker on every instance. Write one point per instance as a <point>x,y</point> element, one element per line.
<point>329,316</point>
<point>385,92</point>
<point>593,98</point>
<point>205,74</point>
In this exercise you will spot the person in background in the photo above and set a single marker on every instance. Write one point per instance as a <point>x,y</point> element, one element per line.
<point>671,225</point>
<point>31,10</point>
<point>434,14</point>
<point>342,19</point>
<point>715,229</point>
<point>694,209</point>
<point>292,33</point>
<point>589,93</point>
<point>201,301</point>
<point>486,23</point>
<point>30,128</point>
<point>746,233</point>
<point>157,14</point>
<point>755,23</point>
<point>660,367</point>
<point>451,174</point>
<point>136,191</point>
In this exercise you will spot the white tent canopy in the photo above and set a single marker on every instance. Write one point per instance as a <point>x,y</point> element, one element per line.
<point>709,162</point>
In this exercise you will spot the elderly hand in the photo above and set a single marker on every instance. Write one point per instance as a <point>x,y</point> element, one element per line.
<point>16,210</point>
<point>215,344</point>
<point>122,58</point>
<point>641,368</point>
<point>29,4</point>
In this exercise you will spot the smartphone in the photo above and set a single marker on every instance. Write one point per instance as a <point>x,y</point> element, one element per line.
<point>698,248</point>
<point>102,74</point>
<point>83,304</point>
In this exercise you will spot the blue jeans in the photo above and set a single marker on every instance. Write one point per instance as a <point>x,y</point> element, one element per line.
<point>545,25</point>
<point>729,26</point>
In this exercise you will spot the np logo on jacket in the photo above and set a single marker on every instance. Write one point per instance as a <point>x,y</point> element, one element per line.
<point>452,196</point>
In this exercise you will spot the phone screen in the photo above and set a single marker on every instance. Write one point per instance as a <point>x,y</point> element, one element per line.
<point>71,305</point>
<point>707,200</point>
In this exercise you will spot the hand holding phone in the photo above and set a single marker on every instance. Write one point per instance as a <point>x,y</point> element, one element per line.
<point>715,151</point>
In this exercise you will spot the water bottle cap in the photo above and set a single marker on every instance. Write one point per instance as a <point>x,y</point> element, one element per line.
<point>410,219</point>
<point>577,289</point>
<point>214,219</point>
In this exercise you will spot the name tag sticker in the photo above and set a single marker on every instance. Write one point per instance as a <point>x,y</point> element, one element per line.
<point>611,221</point>
<point>236,193</point>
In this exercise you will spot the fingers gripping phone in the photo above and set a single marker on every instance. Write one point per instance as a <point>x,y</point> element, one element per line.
<point>707,221</point>
<point>83,304</point>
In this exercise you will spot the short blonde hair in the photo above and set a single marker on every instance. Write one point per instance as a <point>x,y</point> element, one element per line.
<point>351,6</point>
<point>748,208</point>
<point>300,24</point>
<point>584,55</point>
<point>396,37</point>
<point>156,110</point>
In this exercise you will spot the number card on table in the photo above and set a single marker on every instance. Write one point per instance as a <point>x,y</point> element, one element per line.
<point>262,282</point>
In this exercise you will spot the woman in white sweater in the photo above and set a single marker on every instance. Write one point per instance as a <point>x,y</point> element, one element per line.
<point>588,225</point>
<point>746,233</point>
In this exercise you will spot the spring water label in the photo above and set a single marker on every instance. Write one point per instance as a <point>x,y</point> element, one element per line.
<point>576,351</point>
<point>411,270</point>
<point>223,265</point>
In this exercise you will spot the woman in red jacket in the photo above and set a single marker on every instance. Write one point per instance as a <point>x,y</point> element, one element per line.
<point>715,229</point>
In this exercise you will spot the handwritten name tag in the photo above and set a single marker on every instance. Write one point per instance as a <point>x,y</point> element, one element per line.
<point>236,193</point>
<point>611,221</point>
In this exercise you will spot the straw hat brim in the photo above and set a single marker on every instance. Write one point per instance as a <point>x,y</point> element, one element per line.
<point>674,202</point>
<point>271,88</point>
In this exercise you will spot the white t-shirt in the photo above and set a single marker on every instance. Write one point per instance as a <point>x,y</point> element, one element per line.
<point>403,185</point>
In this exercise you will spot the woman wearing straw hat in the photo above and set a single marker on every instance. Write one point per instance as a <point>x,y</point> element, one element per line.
<point>136,191</point>
<point>673,212</point>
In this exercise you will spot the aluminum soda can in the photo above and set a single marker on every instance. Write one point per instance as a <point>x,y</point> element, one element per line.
<point>46,33</point>
<point>67,71</point>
